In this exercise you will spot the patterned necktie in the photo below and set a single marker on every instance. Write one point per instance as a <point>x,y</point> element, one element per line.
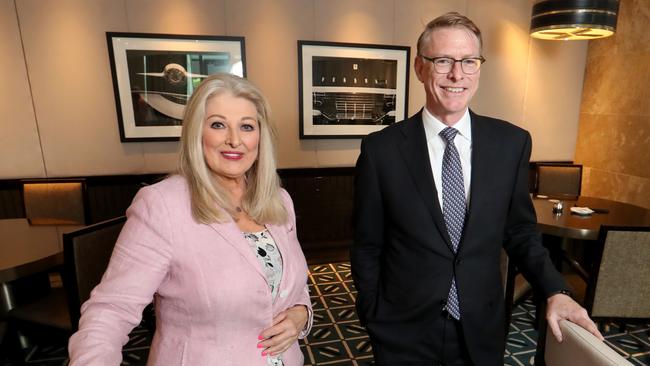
<point>453,206</point>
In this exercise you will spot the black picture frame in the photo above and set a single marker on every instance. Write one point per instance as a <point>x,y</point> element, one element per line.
<point>347,90</point>
<point>154,76</point>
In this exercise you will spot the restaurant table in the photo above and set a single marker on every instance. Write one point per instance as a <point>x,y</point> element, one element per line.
<point>26,250</point>
<point>573,226</point>
<point>568,227</point>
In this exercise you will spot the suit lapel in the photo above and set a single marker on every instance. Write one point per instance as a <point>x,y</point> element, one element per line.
<point>415,153</point>
<point>482,168</point>
<point>235,238</point>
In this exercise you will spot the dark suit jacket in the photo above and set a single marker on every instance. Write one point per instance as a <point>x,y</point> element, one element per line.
<point>402,263</point>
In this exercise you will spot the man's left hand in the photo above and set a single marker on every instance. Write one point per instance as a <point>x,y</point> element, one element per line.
<point>560,307</point>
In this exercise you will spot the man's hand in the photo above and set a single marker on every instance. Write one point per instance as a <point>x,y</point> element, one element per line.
<point>285,330</point>
<point>560,307</point>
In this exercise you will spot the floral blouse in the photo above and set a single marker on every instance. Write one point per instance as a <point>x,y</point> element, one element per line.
<point>268,254</point>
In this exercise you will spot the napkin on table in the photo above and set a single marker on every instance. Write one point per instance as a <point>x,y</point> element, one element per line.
<point>582,210</point>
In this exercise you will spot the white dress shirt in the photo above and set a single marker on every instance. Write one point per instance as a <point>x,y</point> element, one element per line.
<point>436,145</point>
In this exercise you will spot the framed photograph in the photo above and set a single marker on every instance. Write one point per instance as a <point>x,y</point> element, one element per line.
<point>155,74</point>
<point>348,90</point>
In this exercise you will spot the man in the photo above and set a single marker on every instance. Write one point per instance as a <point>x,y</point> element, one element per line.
<point>434,205</point>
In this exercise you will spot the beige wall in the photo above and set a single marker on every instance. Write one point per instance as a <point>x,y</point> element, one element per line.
<point>57,100</point>
<point>614,134</point>
<point>19,144</point>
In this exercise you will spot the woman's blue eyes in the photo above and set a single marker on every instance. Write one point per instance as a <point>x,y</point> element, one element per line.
<point>244,127</point>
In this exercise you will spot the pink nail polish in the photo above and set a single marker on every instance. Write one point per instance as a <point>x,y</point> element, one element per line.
<point>260,346</point>
<point>263,353</point>
<point>260,337</point>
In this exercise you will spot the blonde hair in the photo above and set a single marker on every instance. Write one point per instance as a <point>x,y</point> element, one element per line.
<point>210,201</point>
<point>449,20</point>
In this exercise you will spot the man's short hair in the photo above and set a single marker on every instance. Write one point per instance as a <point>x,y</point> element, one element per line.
<point>449,20</point>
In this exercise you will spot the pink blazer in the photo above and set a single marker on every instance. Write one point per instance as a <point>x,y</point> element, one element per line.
<point>211,296</point>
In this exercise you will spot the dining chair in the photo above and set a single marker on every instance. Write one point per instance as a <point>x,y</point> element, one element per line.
<point>4,344</point>
<point>8,354</point>
<point>87,252</point>
<point>515,287</point>
<point>559,180</point>
<point>619,282</point>
<point>55,201</point>
<point>579,348</point>
<point>86,255</point>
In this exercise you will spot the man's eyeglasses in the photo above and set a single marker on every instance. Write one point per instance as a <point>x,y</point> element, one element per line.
<point>443,65</point>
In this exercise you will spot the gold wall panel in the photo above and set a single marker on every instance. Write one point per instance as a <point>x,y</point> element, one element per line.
<point>614,129</point>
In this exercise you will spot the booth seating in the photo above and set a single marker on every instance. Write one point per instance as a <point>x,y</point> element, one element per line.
<point>55,202</point>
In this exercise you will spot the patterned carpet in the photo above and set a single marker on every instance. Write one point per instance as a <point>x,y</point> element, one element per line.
<point>338,339</point>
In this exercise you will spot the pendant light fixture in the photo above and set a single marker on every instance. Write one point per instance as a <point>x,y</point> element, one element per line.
<point>574,19</point>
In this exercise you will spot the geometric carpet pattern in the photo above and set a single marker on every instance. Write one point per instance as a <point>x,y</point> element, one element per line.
<point>337,338</point>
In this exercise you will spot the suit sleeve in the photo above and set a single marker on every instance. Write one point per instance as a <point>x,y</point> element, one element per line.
<point>137,267</point>
<point>368,243</point>
<point>523,241</point>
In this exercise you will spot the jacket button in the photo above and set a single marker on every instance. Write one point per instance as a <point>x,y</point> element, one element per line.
<point>457,261</point>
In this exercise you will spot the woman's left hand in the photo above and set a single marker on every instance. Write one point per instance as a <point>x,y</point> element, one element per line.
<point>284,331</point>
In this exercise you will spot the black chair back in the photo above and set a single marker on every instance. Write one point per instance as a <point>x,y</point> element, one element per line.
<point>559,180</point>
<point>87,252</point>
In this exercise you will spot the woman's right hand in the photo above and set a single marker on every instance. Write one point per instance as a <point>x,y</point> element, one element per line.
<point>284,332</point>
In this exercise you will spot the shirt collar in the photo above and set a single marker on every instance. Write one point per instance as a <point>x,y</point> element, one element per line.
<point>433,126</point>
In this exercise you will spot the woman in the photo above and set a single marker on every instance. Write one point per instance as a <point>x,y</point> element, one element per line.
<point>214,245</point>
